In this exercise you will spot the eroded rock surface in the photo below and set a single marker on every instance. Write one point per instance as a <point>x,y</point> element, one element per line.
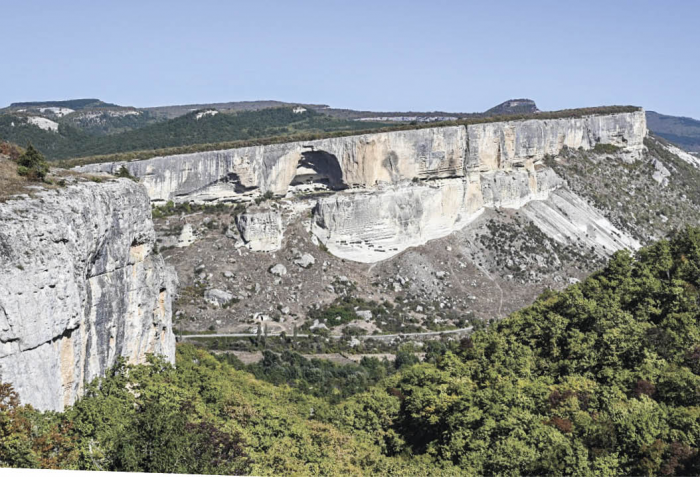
<point>392,190</point>
<point>371,159</point>
<point>261,229</point>
<point>79,287</point>
<point>371,226</point>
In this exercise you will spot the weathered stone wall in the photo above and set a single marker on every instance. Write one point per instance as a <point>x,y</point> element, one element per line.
<point>79,287</point>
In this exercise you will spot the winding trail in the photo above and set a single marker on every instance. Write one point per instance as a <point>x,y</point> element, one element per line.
<point>363,337</point>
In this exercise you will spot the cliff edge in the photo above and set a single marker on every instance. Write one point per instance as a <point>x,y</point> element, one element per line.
<point>80,286</point>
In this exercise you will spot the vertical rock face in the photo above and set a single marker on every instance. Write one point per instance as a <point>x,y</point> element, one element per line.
<point>503,145</point>
<point>372,226</point>
<point>368,160</point>
<point>79,287</point>
<point>406,187</point>
<point>356,161</point>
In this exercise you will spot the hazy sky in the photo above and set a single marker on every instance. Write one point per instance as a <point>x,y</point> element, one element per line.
<point>376,55</point>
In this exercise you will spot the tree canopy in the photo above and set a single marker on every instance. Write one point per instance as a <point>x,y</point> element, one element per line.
<point>602,378</point>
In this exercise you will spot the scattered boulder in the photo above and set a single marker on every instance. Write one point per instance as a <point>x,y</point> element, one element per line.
<point>365,314</point>
<point>305,261</point>
<point>318,325</point>
<point>217,297</point>
<point>187,236</point>
<point>232,233</point>
<point>261,229</point>
<point>278,270</point>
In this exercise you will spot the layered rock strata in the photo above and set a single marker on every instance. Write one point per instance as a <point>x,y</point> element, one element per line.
<point>368,160</point>
<point>80,286</point>
<point>394,190</point>
<point>372,226</point>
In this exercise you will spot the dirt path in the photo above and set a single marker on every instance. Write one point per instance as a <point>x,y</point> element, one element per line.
<point>362,337</point>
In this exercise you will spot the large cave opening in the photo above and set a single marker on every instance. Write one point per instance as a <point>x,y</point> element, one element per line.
<point>318,170</point>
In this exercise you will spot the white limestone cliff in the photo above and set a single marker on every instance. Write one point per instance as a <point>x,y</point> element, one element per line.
<point>394,190</point>
<point>80,286</point>
<point>368,160</point>
<point>502,145</point>
<point>372,226</point>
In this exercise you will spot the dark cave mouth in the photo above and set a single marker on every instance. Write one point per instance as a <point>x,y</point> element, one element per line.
<point>318,170</point>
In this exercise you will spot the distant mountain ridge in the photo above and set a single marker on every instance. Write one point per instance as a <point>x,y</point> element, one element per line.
<point>682,131</point>
<point>75,104</point>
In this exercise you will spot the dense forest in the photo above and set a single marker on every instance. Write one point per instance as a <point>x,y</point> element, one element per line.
<point>602,378</point>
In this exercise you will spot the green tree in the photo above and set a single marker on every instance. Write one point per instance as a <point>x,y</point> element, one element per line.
<point>32,164</point>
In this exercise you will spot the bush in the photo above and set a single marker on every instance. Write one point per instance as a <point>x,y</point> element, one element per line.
<point>32,165</point>
<point>124,172</point>
<point>11,150</point>
<point>601,148</point>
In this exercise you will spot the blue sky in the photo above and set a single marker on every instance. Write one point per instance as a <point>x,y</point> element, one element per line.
<point>375,55</point>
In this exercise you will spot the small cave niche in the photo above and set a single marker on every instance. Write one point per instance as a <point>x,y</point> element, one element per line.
<point>235,180</point>
<point>318,170</point>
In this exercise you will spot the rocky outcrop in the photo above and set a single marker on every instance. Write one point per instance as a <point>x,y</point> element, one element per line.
<point>569,219</point>
<point>366,161</point>
<point>80,286</point>
<point>395,189</point>
<point>261,229</point>
<point>502,145</point>
<point>372,226</point>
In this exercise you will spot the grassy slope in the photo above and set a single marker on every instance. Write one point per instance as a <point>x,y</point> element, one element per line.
<point>627,193</point>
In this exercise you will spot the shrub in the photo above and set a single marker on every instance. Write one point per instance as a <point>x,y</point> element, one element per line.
<point>601,148</point>
<point>32,164</point>
<point>124,172</point>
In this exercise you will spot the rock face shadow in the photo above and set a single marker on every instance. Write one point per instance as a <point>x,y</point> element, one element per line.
<point>319,168</point>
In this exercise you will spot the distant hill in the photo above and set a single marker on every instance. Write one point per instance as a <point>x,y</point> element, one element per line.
<point>82,128</point>
<point>513,106</point>
<point>510,107</point>
<point>683,132</point>
<point>171,112</point>
<point>75,104</point>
